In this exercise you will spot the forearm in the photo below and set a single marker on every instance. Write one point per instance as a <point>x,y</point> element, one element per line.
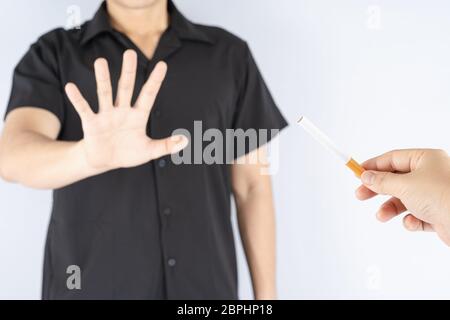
<point>257,228</point>
<point>36,161</point>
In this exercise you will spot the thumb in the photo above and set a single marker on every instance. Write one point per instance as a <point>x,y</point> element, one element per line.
<point>384,182</point>
<point>161,147</point>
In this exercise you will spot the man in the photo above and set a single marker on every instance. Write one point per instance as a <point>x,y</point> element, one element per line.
<point>418,181</point>
<point>135,224</point>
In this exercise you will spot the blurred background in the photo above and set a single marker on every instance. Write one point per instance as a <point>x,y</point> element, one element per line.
<point>375,75</point>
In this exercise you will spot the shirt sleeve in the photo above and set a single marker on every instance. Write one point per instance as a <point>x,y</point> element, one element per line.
<point>255,109</point>
<point>36,82</point>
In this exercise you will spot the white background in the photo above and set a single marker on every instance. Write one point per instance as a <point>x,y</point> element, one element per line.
<point>375,78</point>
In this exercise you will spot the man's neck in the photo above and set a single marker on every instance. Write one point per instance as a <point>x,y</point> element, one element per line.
<point>141,22</point>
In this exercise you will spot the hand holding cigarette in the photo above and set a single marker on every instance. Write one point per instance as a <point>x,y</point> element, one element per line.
<point>418,181</point>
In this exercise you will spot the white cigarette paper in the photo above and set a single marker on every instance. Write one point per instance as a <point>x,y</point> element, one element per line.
<point>323,139</point>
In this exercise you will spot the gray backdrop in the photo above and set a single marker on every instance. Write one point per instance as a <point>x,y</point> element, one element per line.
<point>374,74</point>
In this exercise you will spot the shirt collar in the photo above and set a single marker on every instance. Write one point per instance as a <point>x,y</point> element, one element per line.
<point>183,28</point>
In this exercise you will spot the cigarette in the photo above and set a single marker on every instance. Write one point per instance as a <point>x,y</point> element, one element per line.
<point>323,139</point>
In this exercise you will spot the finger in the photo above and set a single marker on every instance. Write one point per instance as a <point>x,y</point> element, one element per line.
<point>151,88</point>
<point>103,79</point>
<point>161,147</point>
<point>411,223</point>
<point>385,182</point>
<point>363,193</point>
<point>127,79</point>
<point>78,101</point>
<point>390,209</point>
<point>395,161</point>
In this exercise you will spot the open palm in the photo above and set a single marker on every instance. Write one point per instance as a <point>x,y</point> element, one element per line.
<point>116,137</point>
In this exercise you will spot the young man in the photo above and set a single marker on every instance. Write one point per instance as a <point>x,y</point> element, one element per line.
<point>129,220</point>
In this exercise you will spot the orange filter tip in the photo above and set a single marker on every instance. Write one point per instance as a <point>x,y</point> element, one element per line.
<point>355,167</point>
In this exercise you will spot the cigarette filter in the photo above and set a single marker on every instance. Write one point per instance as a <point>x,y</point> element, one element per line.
<point>323,139</point>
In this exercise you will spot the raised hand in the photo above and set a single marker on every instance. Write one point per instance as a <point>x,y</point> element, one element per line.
<point>116,137</point>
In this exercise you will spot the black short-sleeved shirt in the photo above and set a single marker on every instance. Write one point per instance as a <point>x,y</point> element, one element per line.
<point>159,230</point>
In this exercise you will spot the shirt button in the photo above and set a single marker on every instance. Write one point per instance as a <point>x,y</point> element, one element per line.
<point>162,163</point>
<point>167,211</point>
<point>171,262</point>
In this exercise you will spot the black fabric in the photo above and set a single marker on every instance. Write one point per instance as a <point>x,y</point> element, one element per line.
<point>158,230</point>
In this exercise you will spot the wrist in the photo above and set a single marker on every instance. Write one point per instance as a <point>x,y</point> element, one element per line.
<point>86,166</point>
<point>266,295</point>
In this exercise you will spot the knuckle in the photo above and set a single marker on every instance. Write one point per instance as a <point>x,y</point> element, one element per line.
<point>379,186</point>
<point>125,86</point>
<point>385,184</point>
<point>421,153</point>
<point>417,157</point>
<point>380,179</point>
<point>125,79</point>
<point>104,92</point>
<point>441,152</point>
<point>128,72</point>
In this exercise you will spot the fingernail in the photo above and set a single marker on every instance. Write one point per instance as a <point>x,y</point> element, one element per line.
<point>368,178</point>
